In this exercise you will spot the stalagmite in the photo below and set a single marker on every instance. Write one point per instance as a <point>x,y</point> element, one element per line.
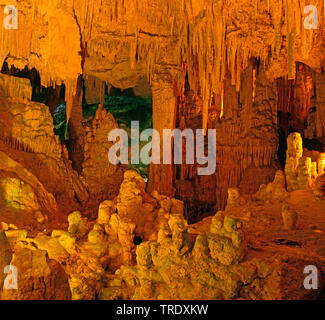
<point>294,153</point>
<point>289,217</point>
<point>80,227</point>
<point>321,164</point>
<point>304,173</point>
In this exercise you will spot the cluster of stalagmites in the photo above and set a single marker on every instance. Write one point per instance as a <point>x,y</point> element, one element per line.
<point>88,252</point>
<point>180,264</point>
<point>176,266</point>
<point>304,170</point>
<point>140,246</point>
<point>88,249</point>
<point>301,171</point>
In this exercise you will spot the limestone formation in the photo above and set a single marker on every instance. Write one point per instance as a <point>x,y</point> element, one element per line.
<point>313,172</point>
<point>28,138</point>
<point>289,217</point>
<point>227,243</point>
<point>294,153</point>
<point>321,164</point>
<point>215,268</point>
<point>53,247</point>
<point>18,195</point>
<point>320,187</point>
<point>35,270</point>
<point>105,211</point>
<point>301,171</point>
<point>77,224</point>
<point>182,263</point>
<point>234,198</point>
<point>310,131</point>
<point>79,227</point>
<point>100,177</point>
<point>304,180</point>
<point>5,253</point>
<point>274,191</point>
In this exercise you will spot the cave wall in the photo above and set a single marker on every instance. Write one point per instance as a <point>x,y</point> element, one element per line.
<point>210,44</point>
<point>119,41</point>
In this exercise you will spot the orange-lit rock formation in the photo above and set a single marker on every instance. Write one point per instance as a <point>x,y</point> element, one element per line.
<point>251,70</point>
<point>119,42</point>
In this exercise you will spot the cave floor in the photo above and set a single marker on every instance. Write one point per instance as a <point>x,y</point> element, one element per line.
<point>265,235</point>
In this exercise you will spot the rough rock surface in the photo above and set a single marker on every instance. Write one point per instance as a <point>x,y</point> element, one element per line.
<point>320,186</point>
<point>206,65</point>
<point>251,70</point>
<point>244,252</point>
<point>275,190</point>
<point>100,177</point>
<point>38,277</point>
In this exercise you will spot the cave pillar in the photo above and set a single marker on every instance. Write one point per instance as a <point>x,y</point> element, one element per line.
<point>247,134</point>
<point>320,107</point>
<point>261,137</point>
<point>76,130</point>
<point>53,98</point>
<point>164,103</point>
<point>94,90</point>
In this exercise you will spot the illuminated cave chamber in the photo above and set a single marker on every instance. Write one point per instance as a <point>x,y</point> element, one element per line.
<point>76,70</point>
<point>299,110</point>
<point>252,130</point>
<point>133,104</point>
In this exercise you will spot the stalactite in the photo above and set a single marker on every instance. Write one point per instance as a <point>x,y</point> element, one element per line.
<point>222,92</point>
<point>70,92</point>
<point>203,34</point>
<point>320,105</point>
